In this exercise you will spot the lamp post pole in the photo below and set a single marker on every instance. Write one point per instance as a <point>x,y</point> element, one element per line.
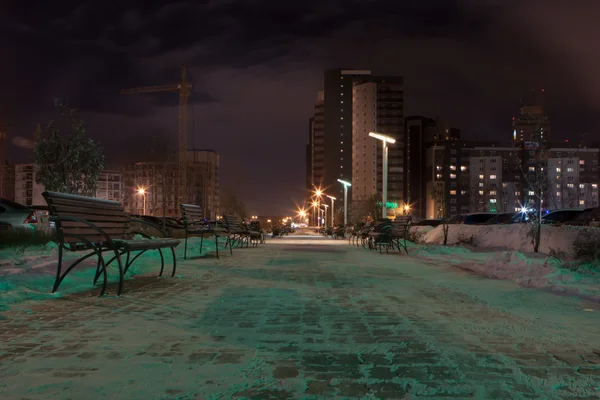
<point>332,208</point>
<point>346,184</point>
<point>385,176</point>
<point>385,139</point>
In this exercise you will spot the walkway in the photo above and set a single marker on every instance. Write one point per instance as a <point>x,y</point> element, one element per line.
<point>304,318</point>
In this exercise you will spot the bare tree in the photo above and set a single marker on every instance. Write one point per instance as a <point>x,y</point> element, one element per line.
<point>438,194</point>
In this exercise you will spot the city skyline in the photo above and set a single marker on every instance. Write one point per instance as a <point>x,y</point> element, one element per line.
<point>254,92</point>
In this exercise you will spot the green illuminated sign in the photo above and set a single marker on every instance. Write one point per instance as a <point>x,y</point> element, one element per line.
<point>389,204</point>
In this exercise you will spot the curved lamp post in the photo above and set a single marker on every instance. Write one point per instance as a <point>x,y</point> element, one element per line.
<point>346,185</point>
<point>384,140</point>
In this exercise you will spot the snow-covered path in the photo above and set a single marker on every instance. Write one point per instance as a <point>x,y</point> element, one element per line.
<point>304,318</point>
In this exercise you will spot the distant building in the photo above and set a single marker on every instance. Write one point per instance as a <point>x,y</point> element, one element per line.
<point>26,190</point>
<point>160,184</point>
<point>111,186</point>
<point>421,132</point>
<point>532,125</point>
<point>7,181</point>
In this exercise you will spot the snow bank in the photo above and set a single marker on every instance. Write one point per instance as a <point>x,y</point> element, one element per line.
<point>511,237</point>
<point>527,270</point>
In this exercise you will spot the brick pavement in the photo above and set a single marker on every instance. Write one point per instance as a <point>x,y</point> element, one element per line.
<point>295,319</point>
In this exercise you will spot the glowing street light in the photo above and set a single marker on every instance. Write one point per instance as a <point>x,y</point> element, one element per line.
<point>332,208</point>
<point>384,140</point>
<point>346,185</point>
<point>325,214</point>
<point>142,191</point>
<point>406,209</point>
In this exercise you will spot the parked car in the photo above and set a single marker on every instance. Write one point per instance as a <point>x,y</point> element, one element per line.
<point>589,217</point>
<point>472,219</point>
<point>428,222</point>
<point>15,216</point>
<point>558,216</point>
<point>503,219</point>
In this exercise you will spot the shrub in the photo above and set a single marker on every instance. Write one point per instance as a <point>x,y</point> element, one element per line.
<point>21,239</point>
<point>586,247</point>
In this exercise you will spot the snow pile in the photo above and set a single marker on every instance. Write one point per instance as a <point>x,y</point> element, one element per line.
<point>515,237</point>
<point>528,270</point>
<point>28,274</point>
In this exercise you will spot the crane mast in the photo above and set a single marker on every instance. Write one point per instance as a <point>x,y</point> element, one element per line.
<point>183,88</point>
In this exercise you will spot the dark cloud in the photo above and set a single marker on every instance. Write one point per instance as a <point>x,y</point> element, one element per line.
<point>256,66</point>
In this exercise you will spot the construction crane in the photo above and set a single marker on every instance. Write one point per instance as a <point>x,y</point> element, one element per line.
<point>184,91</point>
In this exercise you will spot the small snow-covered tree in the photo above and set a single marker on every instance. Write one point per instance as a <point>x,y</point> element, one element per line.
<point>68,162</point>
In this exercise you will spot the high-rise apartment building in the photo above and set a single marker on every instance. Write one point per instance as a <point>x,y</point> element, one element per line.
<point>378,107</point>
<point>26,190</point>
<point>337,109</point>
<point>316,142</point>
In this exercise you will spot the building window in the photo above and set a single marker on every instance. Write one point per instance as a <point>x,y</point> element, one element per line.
<point>492,200</point>
<point>582,202</point>
<point>480,184</point>
<point>463,168</point>
<point>453,168</point>
<point>492,176</point>
<point>570,185</point>
<point>492,193</point>
<point>533,168</point>
<point>569,169</point>
<point>452,176</point>
<point>480,176</point>
<point>557,169</point>
<point>531,193</point>
<point>481,192</point>
<point>452,192</point>
<point>581,162</point>
<point>558,194</point>
<point>581,186</point>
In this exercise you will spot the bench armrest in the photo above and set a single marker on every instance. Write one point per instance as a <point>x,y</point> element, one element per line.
<point>83,221</point>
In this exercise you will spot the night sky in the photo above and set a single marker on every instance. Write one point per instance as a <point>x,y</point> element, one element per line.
<point>256,67</point>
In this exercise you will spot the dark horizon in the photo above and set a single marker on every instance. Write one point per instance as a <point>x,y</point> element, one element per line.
<point>256,71</point>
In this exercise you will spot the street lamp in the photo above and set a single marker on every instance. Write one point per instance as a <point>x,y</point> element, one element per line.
<point>406,209</point>
<point>332,207</point>
<point>346,185</point>
<point>384,140</point>
<point>318,194</point>
<point>142,191</point>
<point>325,214</point>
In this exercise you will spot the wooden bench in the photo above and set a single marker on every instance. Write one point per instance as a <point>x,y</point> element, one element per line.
<point>195,225</point>
<point>390,235</point>
<point>100,226</point>
<point>239,232</point>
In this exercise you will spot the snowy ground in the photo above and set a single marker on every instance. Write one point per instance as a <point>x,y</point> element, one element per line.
<point>298,317</point>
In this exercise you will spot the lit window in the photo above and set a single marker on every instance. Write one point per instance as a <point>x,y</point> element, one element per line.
<point>453,192</point>
<point>492,192</point>
<point>452,176</point>
<point>557,169</point>
<point>481,192</point>
<point>492,200</point>
<point>480,184</point>
<point>463,192</point>
<point>581,186</point>
<point>582,202</point>
<point>463,168</point>
<point>569,169</point>
<point>439,176</point>
<point>480,176</point>
<point>531,193</point>
<point>558,185</point>
<point>532,168</point>
<point>570,185</point>
<point>438,167</point>
<point>558,194</point>
<point>581,162</point>
<point>453,168</point>
<point>595,185</point>
<point>492,176</point>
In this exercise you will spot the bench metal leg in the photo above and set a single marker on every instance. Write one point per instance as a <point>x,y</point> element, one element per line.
<point>185,248</point>
<point>174,261</point>
<point>61,276</point>
<point>217,245</point>
<point>121,272</point>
